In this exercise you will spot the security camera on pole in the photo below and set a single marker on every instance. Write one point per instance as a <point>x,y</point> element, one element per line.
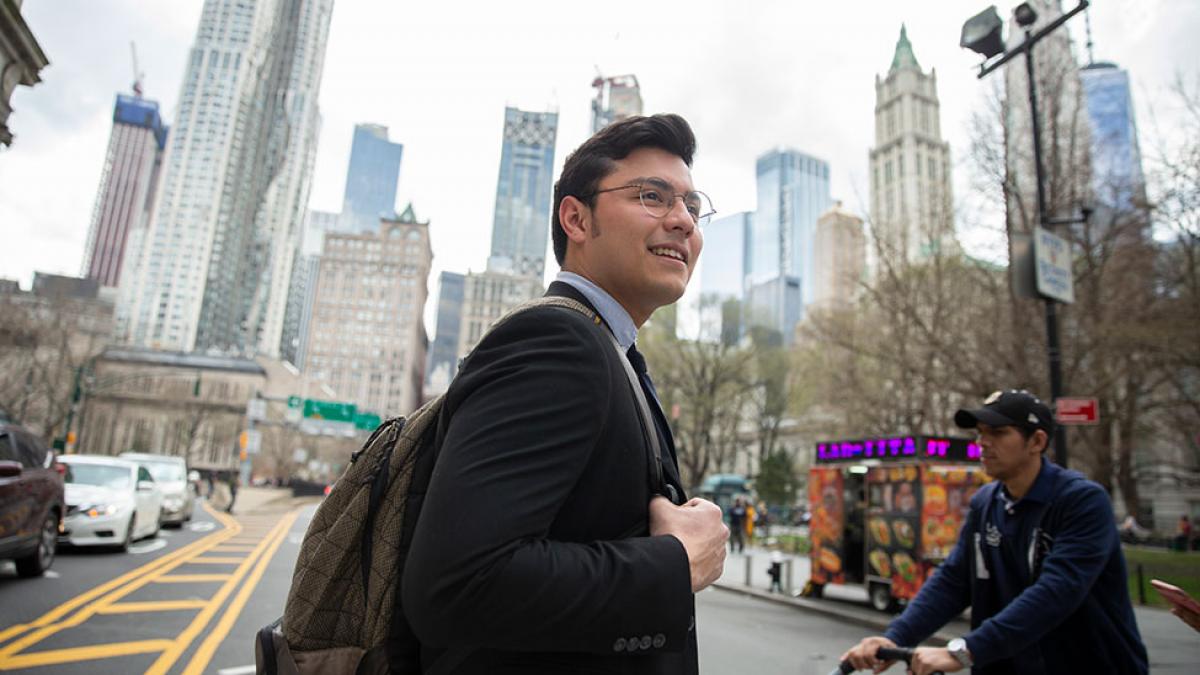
<point>983,34</point>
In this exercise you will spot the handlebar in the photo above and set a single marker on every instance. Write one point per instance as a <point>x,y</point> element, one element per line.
<point>904,654</point>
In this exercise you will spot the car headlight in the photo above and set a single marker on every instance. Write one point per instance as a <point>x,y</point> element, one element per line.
<point>97,510</point>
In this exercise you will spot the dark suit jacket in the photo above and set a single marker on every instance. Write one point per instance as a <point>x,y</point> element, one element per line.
<point>522,548</point>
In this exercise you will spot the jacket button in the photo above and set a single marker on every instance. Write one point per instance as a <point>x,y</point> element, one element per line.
<point>619,645</point>
<point>632,644</point>
<point>645,642</point>
<point>659,641</point>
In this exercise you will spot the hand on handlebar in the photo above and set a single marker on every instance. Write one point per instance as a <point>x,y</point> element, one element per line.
<point>864,655</point>
<point>879,653</point>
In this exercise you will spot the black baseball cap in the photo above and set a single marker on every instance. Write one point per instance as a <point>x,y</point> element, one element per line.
<point>1009,408</point>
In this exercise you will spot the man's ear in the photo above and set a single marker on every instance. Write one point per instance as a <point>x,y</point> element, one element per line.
<point>1040,436</point>
<point>575,219</point>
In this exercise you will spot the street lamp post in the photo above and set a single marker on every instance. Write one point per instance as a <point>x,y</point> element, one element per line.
<point>983,34</point>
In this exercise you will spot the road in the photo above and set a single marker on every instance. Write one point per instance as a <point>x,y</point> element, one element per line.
<point>190,601</point>
<point>183,602</point>
<point>740,634</point>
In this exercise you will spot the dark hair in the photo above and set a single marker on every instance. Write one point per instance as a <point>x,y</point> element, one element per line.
<point>1028,432</point>
<point>597,158</point>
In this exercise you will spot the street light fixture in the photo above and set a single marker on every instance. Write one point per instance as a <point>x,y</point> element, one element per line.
<point>1025,15</point>
<point>983,34</point>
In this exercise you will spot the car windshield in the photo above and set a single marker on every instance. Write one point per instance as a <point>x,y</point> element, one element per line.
<point>165,472</point>
<point>101,475</point>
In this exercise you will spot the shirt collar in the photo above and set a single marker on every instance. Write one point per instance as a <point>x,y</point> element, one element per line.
<point>1040,491</point>
<point>610,310</point>
<point>1043,485</point>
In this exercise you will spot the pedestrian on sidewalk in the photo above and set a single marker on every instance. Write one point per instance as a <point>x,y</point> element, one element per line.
<point>775,571</point>
<point>737,526</point>
<point>1038,562</point>
<point>762,520</point>
<point>1183,534</point>
<point>232,479</point>
<point>551,540</point>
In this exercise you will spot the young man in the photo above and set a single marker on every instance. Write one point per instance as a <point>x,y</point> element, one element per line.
<point>542,545</point>
<point>1038,562</point>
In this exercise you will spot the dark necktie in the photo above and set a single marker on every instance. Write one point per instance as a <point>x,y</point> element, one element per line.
<point>639,366</point>
<point>660,421</point>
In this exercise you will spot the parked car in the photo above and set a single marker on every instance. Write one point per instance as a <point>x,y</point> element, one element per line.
<point>31,500</point>
<point>110,502</point>
<point>171,474</point>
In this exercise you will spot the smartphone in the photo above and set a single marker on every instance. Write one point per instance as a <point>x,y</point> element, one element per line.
<point>1176,595</point>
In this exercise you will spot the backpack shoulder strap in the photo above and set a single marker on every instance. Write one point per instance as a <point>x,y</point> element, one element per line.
<point>649,429</point>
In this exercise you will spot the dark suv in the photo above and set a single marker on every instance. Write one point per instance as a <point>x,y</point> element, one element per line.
<point>31,500</point>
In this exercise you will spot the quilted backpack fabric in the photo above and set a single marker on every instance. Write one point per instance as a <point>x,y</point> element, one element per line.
<point>341,604</point>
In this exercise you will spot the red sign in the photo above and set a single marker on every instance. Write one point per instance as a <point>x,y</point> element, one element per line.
<point>1078,411</point>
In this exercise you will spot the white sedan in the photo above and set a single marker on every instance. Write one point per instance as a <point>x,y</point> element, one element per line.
<point>110,502</point>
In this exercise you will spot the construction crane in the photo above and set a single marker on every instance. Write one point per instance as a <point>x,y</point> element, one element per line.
<point>137,74</point>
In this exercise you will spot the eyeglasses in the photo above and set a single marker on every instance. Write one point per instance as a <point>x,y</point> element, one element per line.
<point>658,198</point>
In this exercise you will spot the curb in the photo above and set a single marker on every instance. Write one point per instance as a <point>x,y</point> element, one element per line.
<point>829,609</point>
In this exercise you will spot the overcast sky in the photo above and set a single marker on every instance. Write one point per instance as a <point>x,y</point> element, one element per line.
<point>748,75</point>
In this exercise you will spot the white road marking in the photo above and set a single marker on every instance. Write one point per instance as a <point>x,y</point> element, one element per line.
<point>51,574</point>
<point>148,546</point>
<point>202,527</point>
<point>236,670</point>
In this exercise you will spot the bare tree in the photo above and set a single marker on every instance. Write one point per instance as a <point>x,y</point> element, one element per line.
<point>44,344</point>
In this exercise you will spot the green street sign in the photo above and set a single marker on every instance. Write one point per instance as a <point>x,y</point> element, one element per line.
<point>295,402</point>
<point>367,421</point>
<point>334,411</point>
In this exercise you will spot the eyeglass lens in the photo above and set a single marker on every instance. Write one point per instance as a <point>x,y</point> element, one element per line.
<point>658,202</point>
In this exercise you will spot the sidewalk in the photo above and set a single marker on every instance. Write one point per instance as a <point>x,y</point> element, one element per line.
<point>1173,647</point>
<point>842,603</point>
<point>251,499</point>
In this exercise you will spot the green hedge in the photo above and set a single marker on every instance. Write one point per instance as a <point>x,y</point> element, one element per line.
<point>1173,567</point>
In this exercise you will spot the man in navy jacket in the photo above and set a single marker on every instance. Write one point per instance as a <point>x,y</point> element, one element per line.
<point>1038,562</point>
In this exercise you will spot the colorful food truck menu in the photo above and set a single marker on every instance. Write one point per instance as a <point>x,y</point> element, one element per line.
<point>946,498</point>
<point>918,490</point>
<point>892,519</point>
<point>825,527</point>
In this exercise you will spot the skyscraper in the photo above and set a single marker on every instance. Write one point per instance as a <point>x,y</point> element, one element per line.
<point>127,185</point>
<point>840,256</point>
<point>723,270</point>
<point>911,201</point>
<point>371,179</point>
<point>367,339</point>
<point>216,260</point>
<point>793,191</point>
<point>1118,183</point>
<point>443,355</point>
<point>487,296</point>
<point>616,99</point>
<point>521,221</point>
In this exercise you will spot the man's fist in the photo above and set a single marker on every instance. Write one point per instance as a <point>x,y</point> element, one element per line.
<point>862,655</point>
<point>699,527</point>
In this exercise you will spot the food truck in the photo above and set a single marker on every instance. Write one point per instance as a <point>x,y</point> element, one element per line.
<point>887,511</point>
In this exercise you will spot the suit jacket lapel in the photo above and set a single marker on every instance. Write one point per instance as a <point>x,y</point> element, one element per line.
<point>671,462</point>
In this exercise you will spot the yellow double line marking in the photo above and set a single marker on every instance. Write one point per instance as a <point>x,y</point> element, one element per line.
<point>104,600</point>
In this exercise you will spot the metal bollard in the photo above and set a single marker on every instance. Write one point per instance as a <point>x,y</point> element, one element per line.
<point>1141,585</point>
<point>749,562</point>
<point>788,588</point>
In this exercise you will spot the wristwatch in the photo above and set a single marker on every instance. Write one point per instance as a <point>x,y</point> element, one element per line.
<point>958,649</point>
